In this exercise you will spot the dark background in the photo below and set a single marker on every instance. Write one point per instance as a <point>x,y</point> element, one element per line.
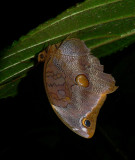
<point>30,128</point>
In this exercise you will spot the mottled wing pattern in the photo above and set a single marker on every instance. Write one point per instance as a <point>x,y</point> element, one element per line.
<point>74,103</point>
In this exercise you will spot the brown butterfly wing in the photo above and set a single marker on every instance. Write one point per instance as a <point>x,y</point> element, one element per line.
<point>74,103</point>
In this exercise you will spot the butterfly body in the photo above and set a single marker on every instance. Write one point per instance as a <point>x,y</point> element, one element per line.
<point>76,85</point>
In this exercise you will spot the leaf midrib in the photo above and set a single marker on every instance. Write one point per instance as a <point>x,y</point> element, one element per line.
<point>96,6</point>
<point>90,8</point>
<point>112,40</point>
<point>96,24</point>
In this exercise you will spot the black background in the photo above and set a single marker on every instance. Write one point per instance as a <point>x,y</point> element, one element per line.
<point>30,128</point>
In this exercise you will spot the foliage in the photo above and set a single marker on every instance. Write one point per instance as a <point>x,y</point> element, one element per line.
<point>106,26</point>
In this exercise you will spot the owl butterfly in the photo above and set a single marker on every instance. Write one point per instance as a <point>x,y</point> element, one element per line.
<point>75,84</point>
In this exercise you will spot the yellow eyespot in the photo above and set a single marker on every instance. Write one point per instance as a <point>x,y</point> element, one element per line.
<point>86,122</point>
<point>82,80</point>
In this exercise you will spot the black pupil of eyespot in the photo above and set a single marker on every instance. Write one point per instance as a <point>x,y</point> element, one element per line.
<point>87,123</point>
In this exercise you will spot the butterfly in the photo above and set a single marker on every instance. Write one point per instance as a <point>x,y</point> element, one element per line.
<point>75,84</point>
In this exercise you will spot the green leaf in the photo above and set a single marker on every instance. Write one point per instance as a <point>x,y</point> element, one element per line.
<point>106,26</point>
<point>10,89</point>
